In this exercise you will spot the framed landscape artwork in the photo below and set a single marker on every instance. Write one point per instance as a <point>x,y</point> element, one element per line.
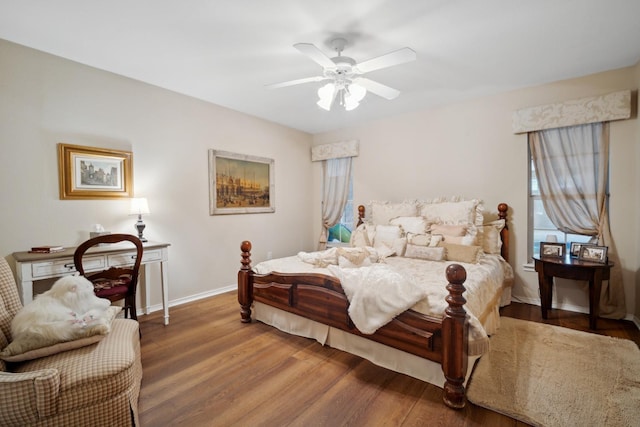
<point>240,183</point>
<point>94,173</point>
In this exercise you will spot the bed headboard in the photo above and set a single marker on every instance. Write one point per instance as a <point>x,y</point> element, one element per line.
<point>504,233</point>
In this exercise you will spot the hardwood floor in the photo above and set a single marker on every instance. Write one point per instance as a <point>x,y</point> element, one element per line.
<point>208,369</point>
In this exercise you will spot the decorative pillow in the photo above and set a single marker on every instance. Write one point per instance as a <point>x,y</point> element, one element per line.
<point>52,349</point>
<point>384,251</point>
<point>435,240</point>
<point>353,257</point>
<point>25,348</point>
<point>425,252</point>
<point>455,211</point>
<point>449,230</point>
<point>383,212</point>
<point>491,241</point>
<point>396,246</point>
<point>462,253</point>
<point>363,235</point>
<point>458,240</point>
<point>451,212</point>
<point>411,224</point>
<point>387,233</point>
<point>419,239</point>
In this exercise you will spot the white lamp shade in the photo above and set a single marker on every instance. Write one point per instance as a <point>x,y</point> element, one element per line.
<point>326,93</point>
<point>139,206</point>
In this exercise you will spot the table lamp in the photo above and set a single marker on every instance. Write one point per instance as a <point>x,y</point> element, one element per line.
<point>139,206</point>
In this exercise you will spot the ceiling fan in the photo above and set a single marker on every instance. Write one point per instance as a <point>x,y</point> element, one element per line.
<point>345,76</point>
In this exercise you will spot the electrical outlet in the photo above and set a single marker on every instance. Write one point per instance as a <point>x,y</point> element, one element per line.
<point>269,255</point>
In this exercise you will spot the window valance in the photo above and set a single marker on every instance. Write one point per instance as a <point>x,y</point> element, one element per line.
<point>604,108</point>
<point>336,150</point>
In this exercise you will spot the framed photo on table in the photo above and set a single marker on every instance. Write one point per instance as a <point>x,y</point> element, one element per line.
<point>94,173</point>
<point>593,253</point>
<point>552,249</point>
<point>575,249</point>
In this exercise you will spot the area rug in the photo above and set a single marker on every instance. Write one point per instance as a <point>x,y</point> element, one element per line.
<point>551,376</point>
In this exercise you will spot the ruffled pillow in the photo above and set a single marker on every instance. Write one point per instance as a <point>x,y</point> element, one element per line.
<point>491,240</point>
<point>383,212</point>
<point>411,224</point>
<point>462,253</point>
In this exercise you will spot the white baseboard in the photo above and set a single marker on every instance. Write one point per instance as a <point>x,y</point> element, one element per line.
<point>190,298</point>
<point>570,307</point>
<point>532,301</point>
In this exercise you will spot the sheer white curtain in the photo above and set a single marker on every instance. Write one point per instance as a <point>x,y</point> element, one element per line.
<point>572,168</point>
<point>335,192</point>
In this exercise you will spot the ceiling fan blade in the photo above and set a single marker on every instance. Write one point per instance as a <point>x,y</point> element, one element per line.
<point>396,57</point>
<point>377,88</point>
<point>295,82</point>
<point>315,54</point>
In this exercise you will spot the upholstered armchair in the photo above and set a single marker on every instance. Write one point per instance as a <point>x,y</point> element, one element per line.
<point>97,384</point>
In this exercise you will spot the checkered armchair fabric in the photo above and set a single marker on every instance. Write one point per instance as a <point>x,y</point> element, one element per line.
<point>94,385</point>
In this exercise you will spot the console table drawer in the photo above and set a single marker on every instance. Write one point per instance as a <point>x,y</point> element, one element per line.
<point>64,266</point>
<point>129,257</point>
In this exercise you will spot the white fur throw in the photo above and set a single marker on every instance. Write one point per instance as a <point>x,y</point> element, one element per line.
<point>377,294</point>
<point>68,311</point>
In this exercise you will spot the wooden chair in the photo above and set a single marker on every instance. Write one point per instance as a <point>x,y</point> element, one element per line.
<point>116,283</point>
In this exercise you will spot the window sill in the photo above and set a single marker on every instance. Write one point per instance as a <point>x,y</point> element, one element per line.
<point>529,267</point>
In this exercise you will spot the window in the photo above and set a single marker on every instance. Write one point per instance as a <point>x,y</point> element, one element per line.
<point>341,232</point>
<point>540,226</point>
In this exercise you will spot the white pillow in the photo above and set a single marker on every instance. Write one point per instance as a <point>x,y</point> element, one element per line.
<point>384,251</point>
<point>491,241</point>
<point>383,212</point>
<point>363,236</point>
<point>411,224</point>
<point>463,212</point>
<point>396,246</point>
<point>457,212</point>
<point>387,233</point>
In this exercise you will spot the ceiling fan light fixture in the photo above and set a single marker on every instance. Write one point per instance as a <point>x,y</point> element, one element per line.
<point>326,94</point>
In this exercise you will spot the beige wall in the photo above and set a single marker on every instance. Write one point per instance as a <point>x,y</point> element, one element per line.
<point>464,149</point>
<point>469,149</point>
<point>45,100</point>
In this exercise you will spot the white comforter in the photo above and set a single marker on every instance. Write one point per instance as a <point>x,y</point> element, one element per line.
<point>424,291</point>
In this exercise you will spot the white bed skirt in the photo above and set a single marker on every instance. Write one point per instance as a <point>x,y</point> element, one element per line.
<point>380,354</point>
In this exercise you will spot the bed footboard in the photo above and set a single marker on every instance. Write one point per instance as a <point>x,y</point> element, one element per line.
<point>322,299</point>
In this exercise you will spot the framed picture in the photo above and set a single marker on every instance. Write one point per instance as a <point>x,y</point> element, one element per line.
<point>575,249</point>
<point>240,183</point>
<point>94,173</point>
<point>552,249</point>
<point>593,253</point>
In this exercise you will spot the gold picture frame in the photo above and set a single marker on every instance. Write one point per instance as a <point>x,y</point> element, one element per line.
<point>94,173</point>
<point>239,183</point>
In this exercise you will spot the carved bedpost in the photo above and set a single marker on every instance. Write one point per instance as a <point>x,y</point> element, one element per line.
<point>245,287</point>
<point>504,233</point>
<point>454,339</point>
<point>360,215</point>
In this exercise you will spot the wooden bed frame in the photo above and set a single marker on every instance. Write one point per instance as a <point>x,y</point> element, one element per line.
<point>321,298</point>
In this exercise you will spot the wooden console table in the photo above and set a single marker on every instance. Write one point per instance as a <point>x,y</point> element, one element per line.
<point>31,267</point>
<point>570,268</point>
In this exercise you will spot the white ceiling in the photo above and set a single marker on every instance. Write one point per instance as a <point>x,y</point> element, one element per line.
<point>226,51</point>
